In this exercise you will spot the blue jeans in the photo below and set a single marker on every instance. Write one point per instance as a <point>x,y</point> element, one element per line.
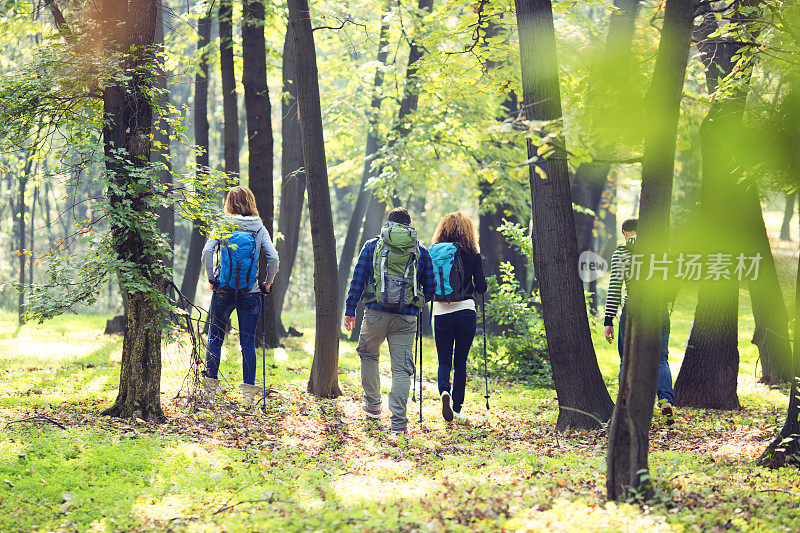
<point>454,335</point>
<point>665,392</point>
<point>248,308</point>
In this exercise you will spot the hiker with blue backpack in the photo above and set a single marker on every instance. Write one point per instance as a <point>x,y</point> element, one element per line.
<point>238,243</point>
<point>394,278</point>
<point>459,276</point>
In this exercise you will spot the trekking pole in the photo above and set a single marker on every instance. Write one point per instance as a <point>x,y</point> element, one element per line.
<point>485,371</point>
<point>263,354</point>
<point>414,380</point>
<point>419,336</point>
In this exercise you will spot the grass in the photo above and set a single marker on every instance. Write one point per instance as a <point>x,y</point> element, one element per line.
<point>311,464</point>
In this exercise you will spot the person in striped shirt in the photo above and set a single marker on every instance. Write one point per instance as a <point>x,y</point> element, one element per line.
<point>615,299</point>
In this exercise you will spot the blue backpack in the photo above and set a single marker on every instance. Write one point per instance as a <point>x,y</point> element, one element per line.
<point>448,269</point>
<point>238,260</point>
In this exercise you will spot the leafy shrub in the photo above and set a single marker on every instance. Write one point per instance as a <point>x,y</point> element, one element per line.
<point>521,351</point>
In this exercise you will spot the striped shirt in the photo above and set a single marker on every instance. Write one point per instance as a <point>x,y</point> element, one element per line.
<point>620,263</point>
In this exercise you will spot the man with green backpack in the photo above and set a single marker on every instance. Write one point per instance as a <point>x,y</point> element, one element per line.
<point>394,277</point>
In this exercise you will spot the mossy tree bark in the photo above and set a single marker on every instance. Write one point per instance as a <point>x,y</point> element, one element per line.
<point>129,28</point>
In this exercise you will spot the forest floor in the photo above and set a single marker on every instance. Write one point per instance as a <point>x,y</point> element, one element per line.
<point>309,464</point>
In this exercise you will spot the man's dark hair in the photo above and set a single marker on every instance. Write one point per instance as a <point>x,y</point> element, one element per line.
<point>399,215</point>
<point>630,224</point>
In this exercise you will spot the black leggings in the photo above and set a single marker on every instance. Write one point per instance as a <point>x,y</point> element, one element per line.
<point>454,334</point>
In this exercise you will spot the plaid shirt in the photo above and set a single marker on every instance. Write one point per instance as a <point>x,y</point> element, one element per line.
<point>363,273</point>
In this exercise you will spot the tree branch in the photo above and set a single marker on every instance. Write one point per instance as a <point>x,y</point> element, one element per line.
<point>61,22</point>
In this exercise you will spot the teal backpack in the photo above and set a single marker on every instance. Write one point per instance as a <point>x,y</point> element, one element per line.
<point>237,260</point>
<point>448,269</point>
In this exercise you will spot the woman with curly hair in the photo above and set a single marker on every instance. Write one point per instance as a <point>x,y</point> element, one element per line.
<point>455,245</point>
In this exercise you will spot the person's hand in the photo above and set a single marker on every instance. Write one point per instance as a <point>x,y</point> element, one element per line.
<point>609,331</point>
<point>210,284</point>
<point>349,323</point>
<point>265,287</point>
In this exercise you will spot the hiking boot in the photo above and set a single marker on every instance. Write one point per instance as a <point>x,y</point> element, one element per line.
<point>370,412</point>
<point>209,389</point>
<point>668,413</point>
<point>394,434</point>
<point>447,410</point>
<point>249,394</point>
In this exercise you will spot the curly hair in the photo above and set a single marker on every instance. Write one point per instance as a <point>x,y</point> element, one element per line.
<point>241,201</point>
<point>457,227</point>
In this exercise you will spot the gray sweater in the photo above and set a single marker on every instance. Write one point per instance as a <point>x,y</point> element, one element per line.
<point>263,242</point>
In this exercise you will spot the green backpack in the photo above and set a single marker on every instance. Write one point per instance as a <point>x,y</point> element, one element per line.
<point>394,268</point>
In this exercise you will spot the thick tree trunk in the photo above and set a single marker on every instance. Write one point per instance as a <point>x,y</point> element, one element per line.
<point>128,122</point>
<point>721,195</point>
<point>293,181</point>
<point>260,142</point>
<point>628,437</point>
<point>191,274</point>
<point>710,369</point>
<point>709,372</point>
<point>230,106</point>
<point>583,399</point>
<point>160,152</point>
<point>368,172</point>
<point>788,214</point>
<point>323,381</point>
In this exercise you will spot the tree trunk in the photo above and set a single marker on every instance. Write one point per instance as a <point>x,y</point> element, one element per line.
<point>230,106</point>
<point>293,181</point>
<point>771,334</point>
<point>21,242</point>
<point>360,206</point>
<point>495,248</point>
<point>721,195</point>
<point>128,122</point>
<point>709,372</point>
<point>191,274</point>
<point>788,213</point>
<point>786,446</point>
<point>583,399</point>
<point>410,100</point>
<point>323,381</point>
<point>607,96</point>
<point>259,141</point>
<point>628,437</point>
<point>32,261</point>
<point>160,152</point>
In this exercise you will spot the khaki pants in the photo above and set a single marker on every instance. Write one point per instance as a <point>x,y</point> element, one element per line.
<point>400,332</point>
